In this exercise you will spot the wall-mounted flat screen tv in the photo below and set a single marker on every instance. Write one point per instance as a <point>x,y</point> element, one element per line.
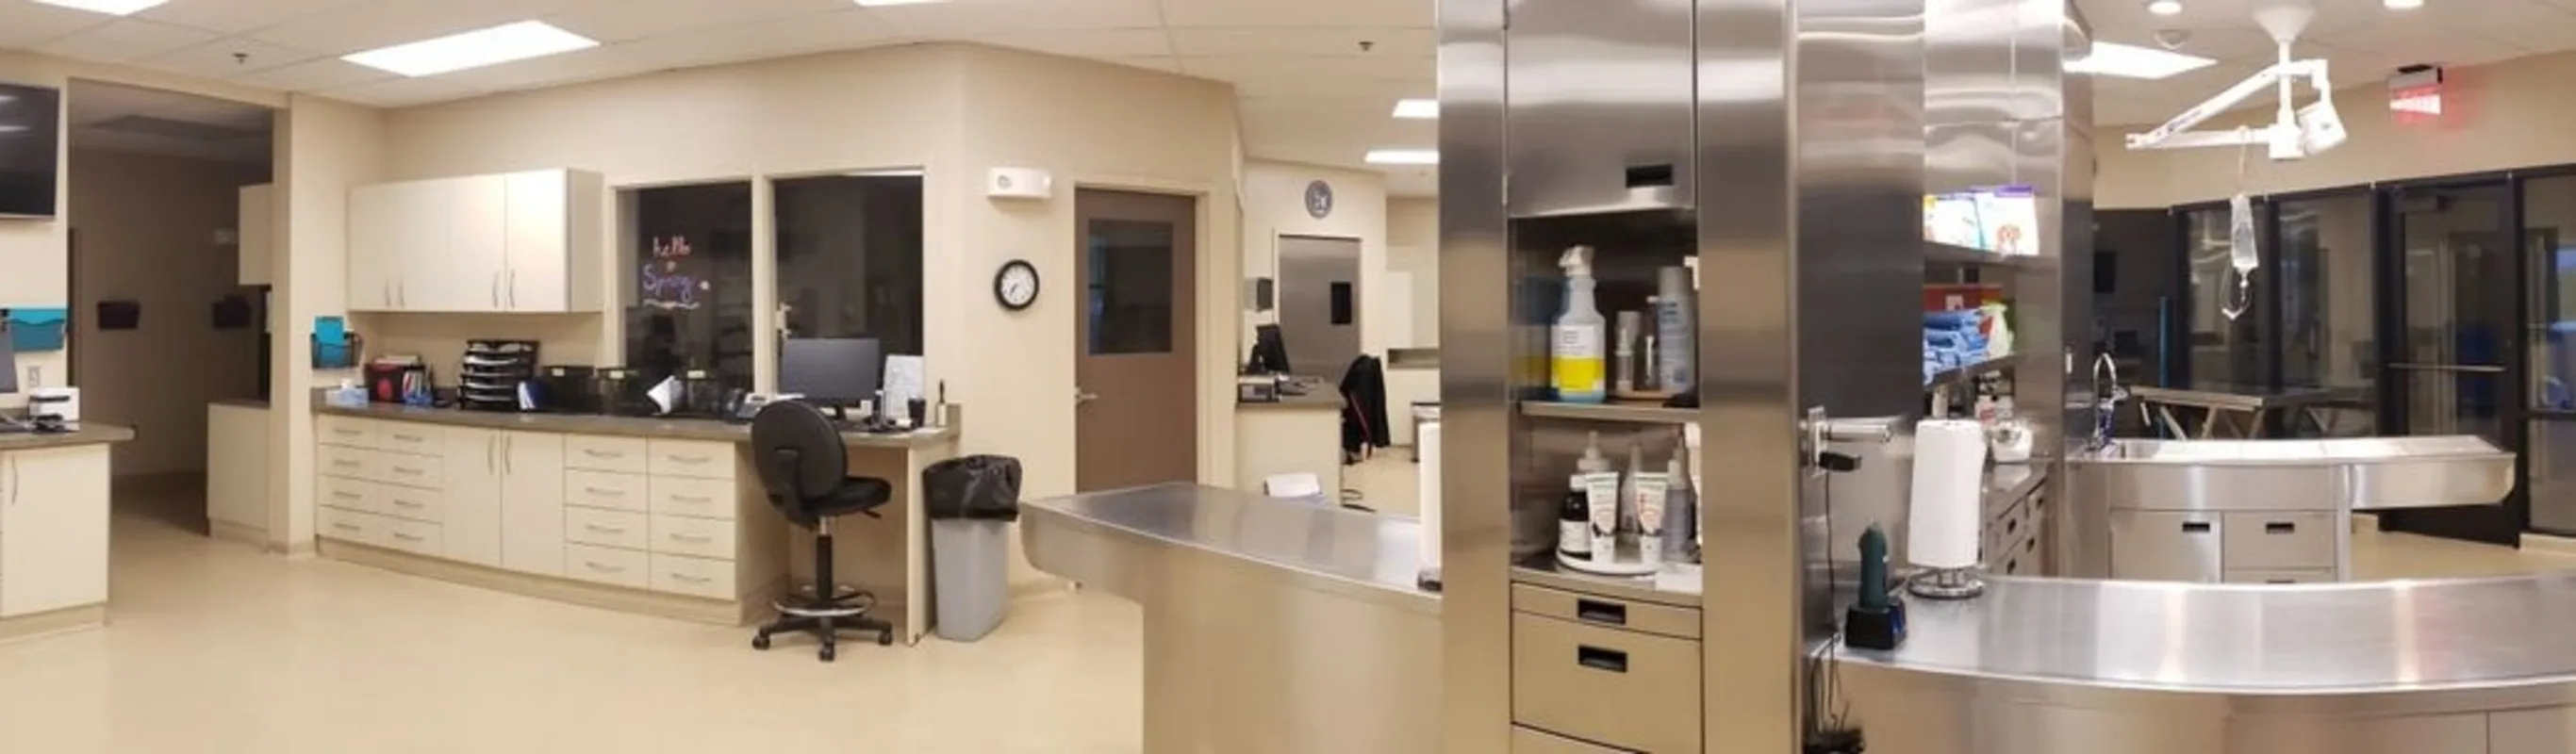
<point>30,149</point>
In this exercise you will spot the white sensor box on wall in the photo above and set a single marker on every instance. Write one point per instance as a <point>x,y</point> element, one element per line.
<point>1019,183</point>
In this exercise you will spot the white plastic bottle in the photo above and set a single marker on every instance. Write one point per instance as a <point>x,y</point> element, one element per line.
<point>1577,357</point>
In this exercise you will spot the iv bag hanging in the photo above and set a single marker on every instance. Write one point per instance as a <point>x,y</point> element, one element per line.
<point>2243,255</point>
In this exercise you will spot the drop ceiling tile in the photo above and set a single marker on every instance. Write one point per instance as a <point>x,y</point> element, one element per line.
<point>217,59</point>
<point>607,61</point>
<point>835,30</point>
<point>30,24</point>
<point>1313,42</point>
<point>386,22</point>
<point>316,76</point>
<point>2425,43</point>
<point>125,40</point>
<point>1367,13</point>
<point>1306,87</point>
<point>2523,23</point>
<point>969,19</point>
<point>403,92</point>
<point>237,16</point>
<point>1088,43</point>
<point>627,20</point>
<point>1320,68</point>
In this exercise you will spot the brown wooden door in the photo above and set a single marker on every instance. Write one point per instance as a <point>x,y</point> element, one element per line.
<point>1136,354</point>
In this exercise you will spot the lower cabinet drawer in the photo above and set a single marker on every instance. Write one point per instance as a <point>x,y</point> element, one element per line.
<point>619,454</point>
<point>348,494</point>
<point>352,526</point>
<point>415,537</point>
<point>341,461</point>
<point>607,565</point>
<point>698,459</point>
<point>1625,689</point>
<point>695,577</point>
<point>600,489</point>
<point>700,498</point>
<point>2292,576</point>
<point>592,526</point>
<point>409,503</point>
<point>698,537</point>
<point>2280,541</point>
<point>1531,741</point>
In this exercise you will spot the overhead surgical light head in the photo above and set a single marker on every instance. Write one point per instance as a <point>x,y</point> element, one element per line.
<point>2294,132</point>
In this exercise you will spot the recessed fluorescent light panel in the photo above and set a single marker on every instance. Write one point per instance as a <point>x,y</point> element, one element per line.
<point>1417,109</point>
<point>1404,157</point>
<point>2404,4</point>
<point>2131,62</point>
<point>2164,7</point>
<point>110,7</point>
<point>473,49</point>
<point>883,3</point>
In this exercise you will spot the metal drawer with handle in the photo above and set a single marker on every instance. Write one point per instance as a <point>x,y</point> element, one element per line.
<point>2285,576</point>
<point>1534,741</point>
<point>2280,540</point>
<point>1622,688</point>
<point>2162,546</point>
<point>1664,620</point>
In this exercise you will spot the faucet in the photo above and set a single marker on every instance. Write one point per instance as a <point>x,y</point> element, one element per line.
<point>2106,402</point>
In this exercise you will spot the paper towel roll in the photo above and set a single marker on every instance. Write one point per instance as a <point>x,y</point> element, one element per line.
<point>1948,508</point>
<point>1426,440</point>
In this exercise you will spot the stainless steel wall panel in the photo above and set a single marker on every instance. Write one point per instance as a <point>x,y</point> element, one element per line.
<point>1968,59</point>
<point>1477,339</point>
<point>1599,105</point>
<point>1310,268</point>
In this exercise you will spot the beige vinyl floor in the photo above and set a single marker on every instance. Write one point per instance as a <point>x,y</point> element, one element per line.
<point>214,647</point>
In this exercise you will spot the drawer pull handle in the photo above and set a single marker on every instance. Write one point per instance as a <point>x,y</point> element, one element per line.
<point>410,504</point>
<point>701,499</point>
<point>596,453</point>
<point>344,495</point>
<point>345,432</point>
<point>1597,611</point>
<point>344,463</point>
<point>690,579</point>
<point>346,527</point>
<point>408,438</point>
<point>2195,527</point>
<point>409,471</point>
<point>1597,658</point>
<point>693,538</point>
<point>407,537</point>
<point>689,459</point>
<point>2280,581</point>
<point>599,566</point>
<point>603,529</point>
<point>598,491</point>
<point>2280,527</point>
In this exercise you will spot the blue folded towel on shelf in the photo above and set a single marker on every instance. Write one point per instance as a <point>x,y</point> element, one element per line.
<point>1957,319</point>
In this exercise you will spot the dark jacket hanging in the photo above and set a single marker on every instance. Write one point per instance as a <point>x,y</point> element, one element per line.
<point>1364,408</point>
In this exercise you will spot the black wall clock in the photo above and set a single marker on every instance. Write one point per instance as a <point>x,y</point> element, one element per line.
<point>1016,285</point>
<point>1319,199</point>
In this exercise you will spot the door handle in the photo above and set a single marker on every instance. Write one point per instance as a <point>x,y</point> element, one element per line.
<point>511,287</point>
<point>2461,368</point>
<point>1081,396</point>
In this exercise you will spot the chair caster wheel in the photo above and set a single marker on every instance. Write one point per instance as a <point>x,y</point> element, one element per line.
<point>760,642</point>
<point>828,652</point>
<point>885,640</point>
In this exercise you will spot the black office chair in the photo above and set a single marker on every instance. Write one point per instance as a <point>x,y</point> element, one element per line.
<point>805,468</point>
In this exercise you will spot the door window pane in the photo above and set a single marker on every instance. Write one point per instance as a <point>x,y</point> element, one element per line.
<point>1130,271</point>
<point>849,258</point>
<point>2226,354</point>
<point>688,282</point>
<point>2549,221</point>
<point>2455,334</point>
<point>2328,339</point>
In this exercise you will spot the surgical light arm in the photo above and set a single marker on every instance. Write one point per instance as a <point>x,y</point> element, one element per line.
<point>2313,129</point>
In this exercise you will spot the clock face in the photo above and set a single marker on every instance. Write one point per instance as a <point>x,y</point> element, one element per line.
<point>1016,285</point>
<point>1319,199</point>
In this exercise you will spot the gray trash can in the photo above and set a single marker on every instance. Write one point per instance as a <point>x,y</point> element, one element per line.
<point>972,502</point>
<point>970,571</point>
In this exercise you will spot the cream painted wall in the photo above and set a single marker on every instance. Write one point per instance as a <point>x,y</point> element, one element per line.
<point>1413,246</point>
<point>954,110</point>
<point>147,229</point>
<point>2505,115</point>
<point>326,147</point>
<point>1274,205</point>
<point>36,252</point>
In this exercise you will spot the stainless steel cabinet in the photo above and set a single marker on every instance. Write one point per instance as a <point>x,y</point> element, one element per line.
<point>1601,106</point>
<point>2167,546</point>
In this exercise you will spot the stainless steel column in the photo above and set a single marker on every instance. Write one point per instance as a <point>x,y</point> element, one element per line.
<point>1476,333</point>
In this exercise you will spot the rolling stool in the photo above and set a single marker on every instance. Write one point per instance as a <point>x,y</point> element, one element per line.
<point>804,466</point>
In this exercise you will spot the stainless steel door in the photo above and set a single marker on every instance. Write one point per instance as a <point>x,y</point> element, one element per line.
<point>1319,304</point>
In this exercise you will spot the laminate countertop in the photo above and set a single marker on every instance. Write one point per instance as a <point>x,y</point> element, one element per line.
<point>89,433</point>
<point>1320,399</point>
<point>623,426</point>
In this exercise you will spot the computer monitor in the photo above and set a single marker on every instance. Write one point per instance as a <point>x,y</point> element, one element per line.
<point>832,372</point>
<point>1269,351</point>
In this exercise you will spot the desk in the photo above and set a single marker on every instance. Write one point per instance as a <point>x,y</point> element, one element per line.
<point>649,515</point>
<point>53,529</point>
<point>1298,434</point>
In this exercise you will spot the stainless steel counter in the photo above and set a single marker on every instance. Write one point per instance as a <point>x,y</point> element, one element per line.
<point>2053,665</point>
<point>1271,626</point>
<point>625,426</point>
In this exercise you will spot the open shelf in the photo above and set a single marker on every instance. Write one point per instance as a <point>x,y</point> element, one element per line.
<point>1630,413</point>
<point>1678,588</point>
<point>1965,372</point>
<point>1936,252</point>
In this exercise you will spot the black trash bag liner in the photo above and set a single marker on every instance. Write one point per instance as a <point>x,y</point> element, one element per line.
<point>983,488</point>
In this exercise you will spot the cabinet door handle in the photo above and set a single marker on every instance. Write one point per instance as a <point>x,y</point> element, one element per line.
<point>699,499</point>
<point>398,503</point>
<point>603,492</point>
<point>1597,658</point>
<point>345,463</point>
<point>2195,527</point>
<point>688,459</point>
<point>603,567</point>
<point>408,438</point>
<point>407,537</point>
<point>690,579</point>
<point>511,288</point>
<point>2280,527</point>
<point>345,527</point>
<point>408,471</point>
<point>597,453</point>
<point>344,495</point>
<point>604,529</point>
<point>697,539</point>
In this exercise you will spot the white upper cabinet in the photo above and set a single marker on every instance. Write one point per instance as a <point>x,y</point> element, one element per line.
<point>516,242</point>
